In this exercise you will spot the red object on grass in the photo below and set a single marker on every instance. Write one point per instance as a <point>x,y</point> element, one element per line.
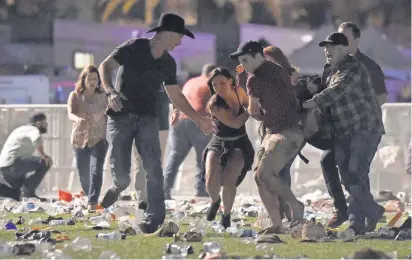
<point>65,196</point>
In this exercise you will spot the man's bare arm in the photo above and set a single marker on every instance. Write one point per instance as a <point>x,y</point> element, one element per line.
<point>254,108</point>
<point>105,70</point>
<point>180,102</point>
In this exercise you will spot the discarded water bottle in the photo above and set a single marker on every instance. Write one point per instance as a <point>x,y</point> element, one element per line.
<point>138,216</point>
<point>36,221</point>
<point>57,222</point>
<point>21,209</point>
<point>200,225</point>
<point>217,227</point>
<point>5,249</point>
<point>54,254</point>
<point>103,217</point>
<point>347,234</point>
<point>116,235</point>
<point>109,255</point>
<point>263,220</point>
<point>51,210</point>
<point>43,246</point>
<point>82,244</point>
<point>232,230</point>
<point>212,247</point>
<point>177,216</point>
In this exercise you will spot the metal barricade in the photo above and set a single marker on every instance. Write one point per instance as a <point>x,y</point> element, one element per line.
<point>397,119</point>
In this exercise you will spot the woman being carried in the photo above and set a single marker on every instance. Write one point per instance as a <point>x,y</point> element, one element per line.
<point>229,155</point>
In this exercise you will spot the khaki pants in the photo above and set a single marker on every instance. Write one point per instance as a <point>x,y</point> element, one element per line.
<point>277,150</point>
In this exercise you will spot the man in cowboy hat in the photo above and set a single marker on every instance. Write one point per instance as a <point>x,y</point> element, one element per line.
<point>145,67</point>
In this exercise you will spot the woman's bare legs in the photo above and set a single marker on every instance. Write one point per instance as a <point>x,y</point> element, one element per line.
<point>213,183</point>
<point>229,177</point>
<point>213,175</point>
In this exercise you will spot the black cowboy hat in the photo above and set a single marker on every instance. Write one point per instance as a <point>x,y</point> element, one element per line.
<point>172,23</point>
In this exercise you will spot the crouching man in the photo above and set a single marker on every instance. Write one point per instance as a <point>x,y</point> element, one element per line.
<point>17,160</point>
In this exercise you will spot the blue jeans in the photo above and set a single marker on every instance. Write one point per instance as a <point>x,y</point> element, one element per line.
<point>182,137</point>
<point>122,131</point>
<point>330,172</point>
<point>89,163</point>
<point>16,176</point>
<point>354,155</point>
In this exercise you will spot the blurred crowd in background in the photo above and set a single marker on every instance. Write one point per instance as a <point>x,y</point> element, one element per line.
<point>26,27</point>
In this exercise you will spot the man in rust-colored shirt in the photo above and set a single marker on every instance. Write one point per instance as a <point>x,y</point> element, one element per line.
<point>185,134</point>
<point>273,101</point>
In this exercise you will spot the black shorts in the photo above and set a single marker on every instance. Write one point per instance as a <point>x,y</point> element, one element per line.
<point>224,148</point>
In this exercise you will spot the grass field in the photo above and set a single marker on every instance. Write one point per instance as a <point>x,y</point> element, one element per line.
<point>150,247</point>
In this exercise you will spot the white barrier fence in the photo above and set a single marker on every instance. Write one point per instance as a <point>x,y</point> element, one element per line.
<point>387,170</point>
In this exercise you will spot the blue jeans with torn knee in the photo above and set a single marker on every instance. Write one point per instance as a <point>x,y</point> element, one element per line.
<point>122,131</point>
<point>354,154</point>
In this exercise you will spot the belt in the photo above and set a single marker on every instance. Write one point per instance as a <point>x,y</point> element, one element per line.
<point>230,138</point>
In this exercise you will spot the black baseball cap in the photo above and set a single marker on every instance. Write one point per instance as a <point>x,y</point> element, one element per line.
<point>335,38</point>
<point>249,47</point>
<point>37,117</point>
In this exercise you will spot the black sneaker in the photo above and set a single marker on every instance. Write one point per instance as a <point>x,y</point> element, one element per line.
<point>212,211</point>
<point>357,228</point>
<point>7,192</point>
<point>142,205</point>
<point>372,222</point>
<point>147,228</point>
<point>338,218</point>
<point>225,221</point>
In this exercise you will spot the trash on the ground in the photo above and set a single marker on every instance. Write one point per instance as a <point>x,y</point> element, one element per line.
<point>269,239</point>
<point>82,244</point>
<point>192,236</point>
<point>212,247</point>
<point>115,235</point>
<point>394,206</point>
<point>126,217</point>
<point>346,234</point>
<point>109,255</point>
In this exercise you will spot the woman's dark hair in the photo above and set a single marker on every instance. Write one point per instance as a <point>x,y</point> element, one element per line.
<point>216,99</point>
<point>81,81</point>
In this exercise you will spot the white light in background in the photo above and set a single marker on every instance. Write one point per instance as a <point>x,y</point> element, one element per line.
<point>82,59</point>
<point>307,38</point>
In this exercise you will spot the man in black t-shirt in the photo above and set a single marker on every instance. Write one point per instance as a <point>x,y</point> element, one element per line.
<point>146,66</point>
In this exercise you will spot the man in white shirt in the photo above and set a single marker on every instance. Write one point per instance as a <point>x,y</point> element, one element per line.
<point>17,160</point>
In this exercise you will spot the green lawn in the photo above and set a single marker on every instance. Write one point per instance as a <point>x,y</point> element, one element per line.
<point>149,247</point>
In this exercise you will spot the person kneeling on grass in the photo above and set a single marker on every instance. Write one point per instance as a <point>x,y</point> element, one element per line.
<point>17,160</point>
<point>229,155</point>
